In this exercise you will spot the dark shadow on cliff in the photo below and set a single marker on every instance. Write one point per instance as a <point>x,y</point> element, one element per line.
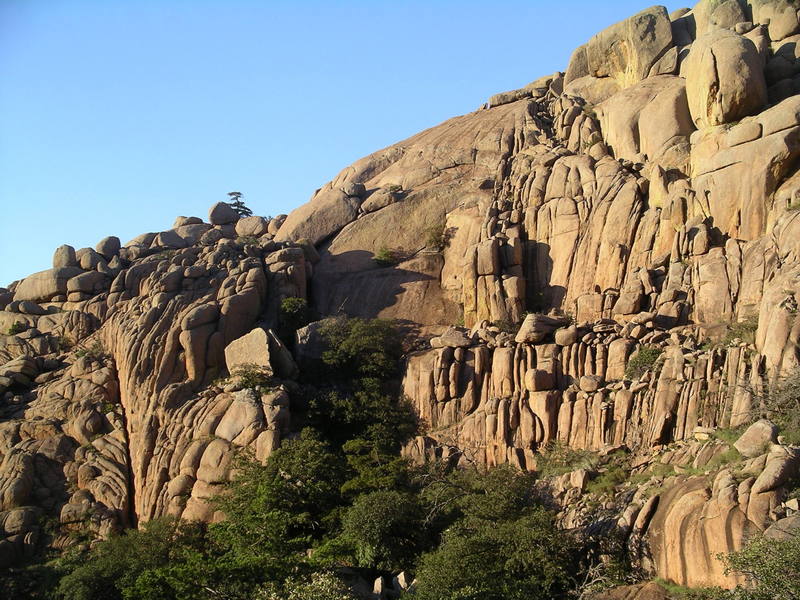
<point>541,296</point>
<point>356,285</point>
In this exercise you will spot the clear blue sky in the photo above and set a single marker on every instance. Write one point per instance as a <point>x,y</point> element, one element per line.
<point>118,115</point>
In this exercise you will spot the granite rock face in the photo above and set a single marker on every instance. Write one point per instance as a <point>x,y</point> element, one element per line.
<point>617,244</point>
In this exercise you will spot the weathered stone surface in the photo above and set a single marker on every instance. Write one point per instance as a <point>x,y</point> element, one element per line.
<point>627,51</point>
<point>251,226</point>
<point>757,438</point>
<point>64,256</point>
<point>44,285</point>
<point>250,349</point>
<point>724,79</point>
<point>221,214</point>
<point>600,203</point>
<point>108,247</point>
<point>648,118</point>
<point>536,327</point>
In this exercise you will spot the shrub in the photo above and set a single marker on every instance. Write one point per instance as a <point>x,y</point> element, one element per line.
<point>274,510</point>
<point>65,343</point>
<point>95,351</point>
<point>386,257</point>
<point>17,327</point>
<point>384,529</point>
<point>361,348</point>
<point>365,412</point>
<point>247,240</point>
<point>252,376</point>
<point>744,330</point>
<point>436,237</point>
<point>557,458</point>
<point>607,481</point>
<point>131,565</point>
<point>731,455</point>
<point>503,546</point>
<point>294,313</point>
<point>771,567</point>
<point>642,361</point>
<point>781,404</point>
<point>320,586</point>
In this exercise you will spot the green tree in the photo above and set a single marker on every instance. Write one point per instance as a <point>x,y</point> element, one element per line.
<point>236,202</point>
<point>501,544</point>
<point>384,530</point>
<point>320,586</point>
<point>277,509</point>
<point>771,567</point>
<point>361,348</point>
<point>130,566</point>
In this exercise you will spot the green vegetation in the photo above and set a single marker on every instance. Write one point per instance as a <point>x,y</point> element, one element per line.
<point>95,351</point>
<point>437,237</point>
<point>781,405</point>
<point>744,331</point>
<point>17,327</point>
<point>557,458</point>
<point>642,361</point>
<point>607,481</point>
<point>319,586</point>
<point>294,313</point>
<point>729,456</point>
<point>238,205</point>
<point>729,435</point>
<point>337,495</point>
<point>247,240</point>
<point>503,546</point>
<point>385,257</point>
<point>252,376</point>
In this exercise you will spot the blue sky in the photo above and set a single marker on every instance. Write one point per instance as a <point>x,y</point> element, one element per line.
<point>118,115</point>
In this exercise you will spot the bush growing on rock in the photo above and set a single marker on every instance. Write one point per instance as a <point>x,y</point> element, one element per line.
<point>238,205</point>
<point>781,404</point>
<point>294,313</point>
<point>643,361</point>
<point>771,567</point>
<point>385,257</point>
<point>252,376</point>
<point>16,327</point>
<point>135,565</point>
<point>361,348</point>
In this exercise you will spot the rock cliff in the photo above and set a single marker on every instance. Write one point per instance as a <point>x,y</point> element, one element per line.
<point>605,258</point>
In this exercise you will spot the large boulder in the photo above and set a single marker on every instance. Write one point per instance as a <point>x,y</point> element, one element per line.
<point>108,247</point>
<point>627,51</point>
<point>724,79</point>
<point>44,285</point>
<point>757,439</point>
<point>64,256</point>
<point>222,213</point>
<point>250,349</point>
<point>251,226</point>
<point>649,118</point>
<point>326,214</point>
<point>536,328</point>
<point>725,14</point>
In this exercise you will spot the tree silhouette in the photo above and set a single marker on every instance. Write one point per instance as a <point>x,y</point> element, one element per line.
<point>238,205</point>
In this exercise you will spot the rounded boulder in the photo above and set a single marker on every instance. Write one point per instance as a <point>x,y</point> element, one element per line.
<point>222,213</point>
<point>724,79</point>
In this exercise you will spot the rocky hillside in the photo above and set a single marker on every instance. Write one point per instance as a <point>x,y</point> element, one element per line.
<point>604,261</point>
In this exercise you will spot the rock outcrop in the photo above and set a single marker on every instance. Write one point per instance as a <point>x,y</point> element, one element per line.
<point>617,244</point>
